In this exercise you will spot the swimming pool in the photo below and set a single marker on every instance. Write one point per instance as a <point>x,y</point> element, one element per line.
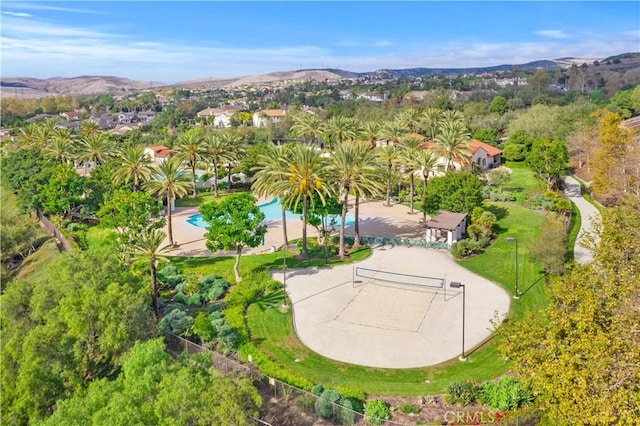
<point>272,211</point>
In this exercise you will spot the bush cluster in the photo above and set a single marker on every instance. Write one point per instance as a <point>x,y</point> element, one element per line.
<point>376,411</point>
<point>506,393</point>
<point>333,405</point>
<point>468,247</point>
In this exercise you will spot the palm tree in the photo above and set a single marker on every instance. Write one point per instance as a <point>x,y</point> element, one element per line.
<point>89,127</point>
<point>353,167</point>
<point>94,148</point>
<point>427,160</point>
<point>339,129</point>
<point>453,142</point>
<point>306,126</point>
<point>44,132</point>
<point>370,131</point>
<point>392,131</point>
<point>303,175</point>
<point>169,181</point>
<point>133,166</point>
<point>410,118</point>
<point>235,152</point>
<point>60,148</point>
<point>271,171</point>
<point>27,136</point>
<point>388,155</point>
<point>431,117</point>
<point>148,246</point>
<point>190,150</point>
<point>216,155</point>
<point>409,149</point>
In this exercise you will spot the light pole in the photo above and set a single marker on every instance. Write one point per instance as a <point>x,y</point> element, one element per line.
<point>284,274</point>
<point>455,284</point>
<point>511,240</point>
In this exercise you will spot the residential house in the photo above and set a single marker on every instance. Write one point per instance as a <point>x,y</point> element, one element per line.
<point>123,128</point>
<point>146,116</point>
<point>104,120</point>
<point>126,117</point>
<point>373,96</point>
<point>71,115</point>
<point>157,153</point>
<point>261,118</point>
<point>38,117</point>
<point>484,155</point>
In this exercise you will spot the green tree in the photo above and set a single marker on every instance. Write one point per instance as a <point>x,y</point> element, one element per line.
<point>148,246</point>
<point>154,389</point>
<point>427,160</point>
<point>235,222</point>
<point>130,214</point>
<point>353,168</point>
<point>581,354</point>
<point>549,249</point>
<point>548,160</point>
<point>61,146</point>
<point>339,129</point>
<point>190,150</point>
<point>217,154</point>
<point>307,127</point>
<point>453,143</point>
<point>171,182</point>
<point>236,151</point>
<point>456,192</point>
<point>499,105</point>
<point>303,175</point>
<point>95,148</point>
<point>489,136</point>
<point>409,154</point>
<point>66,330</point>
<point>62,192</point>
<point>431,118</point>
<point>389,156</point>
<point>132,166</point>
<point>269,178</point>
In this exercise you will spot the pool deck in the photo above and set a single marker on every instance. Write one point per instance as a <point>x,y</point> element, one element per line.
<point>376,220</point>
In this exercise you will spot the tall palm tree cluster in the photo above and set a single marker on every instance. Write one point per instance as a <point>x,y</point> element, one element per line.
<point>359,160</point>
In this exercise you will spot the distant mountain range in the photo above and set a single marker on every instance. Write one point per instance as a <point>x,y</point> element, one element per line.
<point>27,87</point>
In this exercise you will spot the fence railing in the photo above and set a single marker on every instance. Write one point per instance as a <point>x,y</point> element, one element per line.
<point>54,231</point>
<point>408,242</point>
<point>279,393</point>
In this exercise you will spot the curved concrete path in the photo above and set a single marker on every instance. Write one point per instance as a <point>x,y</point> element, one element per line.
<point>588,215</point>
<point>385,325</point>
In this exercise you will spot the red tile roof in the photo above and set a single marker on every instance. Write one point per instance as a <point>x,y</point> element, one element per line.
<point>491,150</point>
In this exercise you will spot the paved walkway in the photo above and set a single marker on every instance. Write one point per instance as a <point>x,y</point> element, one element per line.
<point>588,214</point>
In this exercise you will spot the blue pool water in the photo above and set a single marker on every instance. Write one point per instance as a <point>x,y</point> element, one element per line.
<point>272,211</point>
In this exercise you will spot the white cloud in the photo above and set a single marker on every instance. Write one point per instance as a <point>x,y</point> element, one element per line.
<point>18,14</point>
<point>37,48</point>
<point>35,6</point>
<point>553,33</point>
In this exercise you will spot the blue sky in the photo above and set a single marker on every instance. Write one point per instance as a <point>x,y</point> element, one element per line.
<point>172,41</point>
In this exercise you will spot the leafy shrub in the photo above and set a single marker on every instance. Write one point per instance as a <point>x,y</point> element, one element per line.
<point>306,402</point>
<point>175,305</point>
<point>353,394</point>
<point>215,307</point>
<point>170,276</point>
<point>194,300</point>
<point>463,392</point>
<point>317,389</point>
<point>505,394</point>
<point>376,411</point>
<point>326,404</point>
<point>344,412</point>
<point>180,298</point>
<point>468,247</point>
<point>408,408</point>
<point>176,322</point>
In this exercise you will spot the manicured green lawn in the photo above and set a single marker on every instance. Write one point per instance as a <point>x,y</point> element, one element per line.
<point>522,180</point>
<point>203,197</point>
<point>272,331</point>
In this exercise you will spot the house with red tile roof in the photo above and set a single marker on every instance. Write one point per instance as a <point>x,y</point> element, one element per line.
<point>158,153</point>
<point>261,118</point>
<point>484,155</point>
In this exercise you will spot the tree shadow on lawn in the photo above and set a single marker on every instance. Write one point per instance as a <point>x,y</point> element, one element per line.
<point>499,211</point>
